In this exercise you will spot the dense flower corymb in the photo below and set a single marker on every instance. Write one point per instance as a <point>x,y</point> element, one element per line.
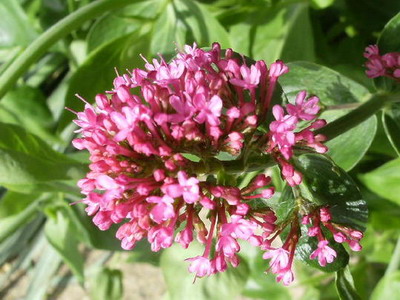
<point>202,103</point>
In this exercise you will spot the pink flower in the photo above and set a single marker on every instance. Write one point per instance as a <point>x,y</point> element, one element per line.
<point>324,253</point>
<point>277,69</point>
<point>251,77</point>
<point>185,237</point>
<point>160,237</point>
<point>305,110</point>
<point>163,210</point>
<point>227,245</point>
<point>209,111</point>
<point>186,187</point>
<point>183,108</point>
<point>387,65</point>
<point>371,51</point>
<point>279,259</point>
<point>286,277</point>
<point>200,265</point>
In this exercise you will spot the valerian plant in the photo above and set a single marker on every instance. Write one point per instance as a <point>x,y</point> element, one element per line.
<point>211,143</point>
<point>205,103</point>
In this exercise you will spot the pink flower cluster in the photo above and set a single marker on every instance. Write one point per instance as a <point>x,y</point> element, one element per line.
<point>283,136</point>
<point>201,103</point>
<point>387,65</point>
<point>341,234</point>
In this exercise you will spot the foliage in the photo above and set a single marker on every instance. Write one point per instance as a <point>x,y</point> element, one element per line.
<point>321,40</point>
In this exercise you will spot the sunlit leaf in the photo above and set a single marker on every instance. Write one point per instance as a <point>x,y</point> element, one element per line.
<point>60,234</point>
<point>27,160</point>
<point>384,180</point>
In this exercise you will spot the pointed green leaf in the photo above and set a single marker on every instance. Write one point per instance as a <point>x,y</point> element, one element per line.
<point>391,124</point>
<point>27,160</point>
<point>120,23</point>
<point>184,22</point>
<point>107,285</point>
<point>97,73</point>
<point>60,234</point>
<point>385,180</point>
<point>15,27</point>
<point>388,287</point>
<point>345,285</point>
<point>278,32</point>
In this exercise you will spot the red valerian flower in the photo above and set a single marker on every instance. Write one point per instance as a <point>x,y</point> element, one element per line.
<point>202,103</point>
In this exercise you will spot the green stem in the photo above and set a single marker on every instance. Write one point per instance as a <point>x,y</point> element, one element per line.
<point>51,36</point>
<point>344,106</point>
<point>356,116</point>
<point>395,260</point>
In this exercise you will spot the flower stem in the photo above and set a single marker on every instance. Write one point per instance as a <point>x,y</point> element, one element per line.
<point>356,116</point>
<point>344,106</point>
<point>51,36</point>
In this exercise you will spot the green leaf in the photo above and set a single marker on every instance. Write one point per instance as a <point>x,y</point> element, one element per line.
<point>391,124</point>
<point>227,285</point>
<point>60,234</point>
<point>12,223</point>
<point>225,156</point>
<point>184,22</point>
<point>284,205</point>
<point>15,28</point>
<point>384,180</point>
<point>324,183</point>
<point>355,140</point>
<point>40,278</point>
<point>282,31</point>
<point>89,234</point>
<point>13,203</point>
<point>191,157</point>
<point>389,42</point>
<point>121,23</point>
<point>96,74</point>
<point>107,285</point>
<point>345,285</point>
<point>333,89</point>
<point>388,287</point>
<point>27,107</point>
<point>109,28</point>
<point>51,11</point>
<point>27,160</point>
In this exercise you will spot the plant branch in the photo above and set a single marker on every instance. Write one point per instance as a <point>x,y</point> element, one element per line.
<point>344,106</point>
<point>356,116</point>
<point>51,36</point>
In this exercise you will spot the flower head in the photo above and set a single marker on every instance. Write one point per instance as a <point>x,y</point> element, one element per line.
<point>203,103</point>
